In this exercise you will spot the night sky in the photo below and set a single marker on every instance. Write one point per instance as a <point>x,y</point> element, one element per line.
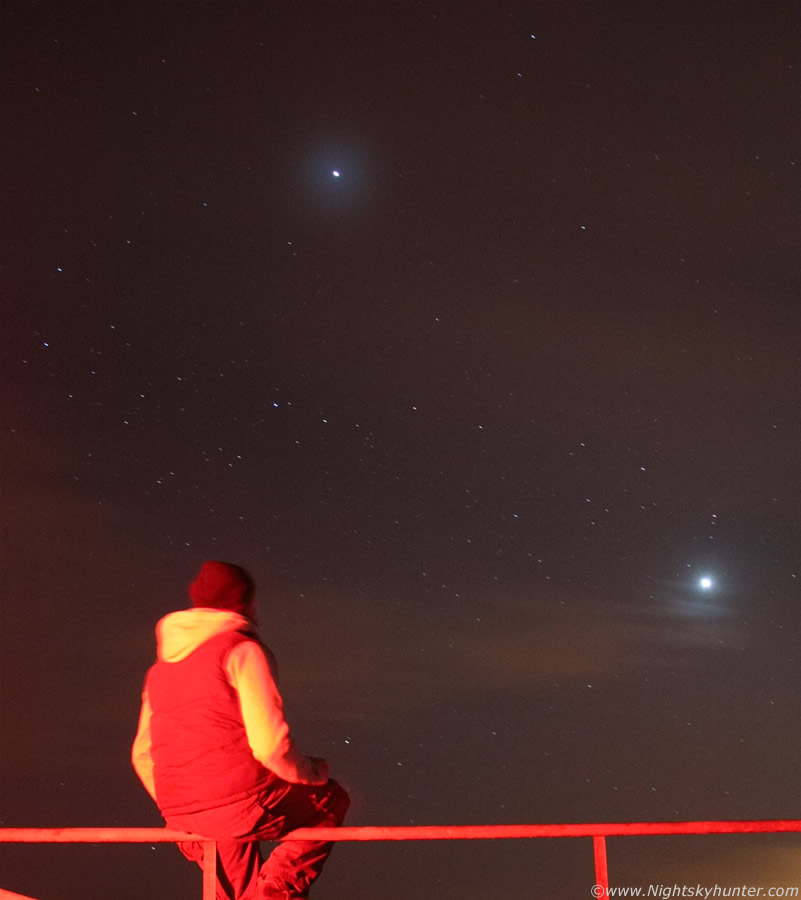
<point>478,412</point>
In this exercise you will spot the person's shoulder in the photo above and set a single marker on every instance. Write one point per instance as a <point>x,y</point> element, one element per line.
<point>246,643</point>
<point>252,648</point>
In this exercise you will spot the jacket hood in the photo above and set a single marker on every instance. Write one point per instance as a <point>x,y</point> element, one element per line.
<point>180,633</point>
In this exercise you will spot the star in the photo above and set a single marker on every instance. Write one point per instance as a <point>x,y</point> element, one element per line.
<point>705,583</point>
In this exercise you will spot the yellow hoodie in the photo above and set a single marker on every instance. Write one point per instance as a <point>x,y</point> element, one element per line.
<point>252,674</point>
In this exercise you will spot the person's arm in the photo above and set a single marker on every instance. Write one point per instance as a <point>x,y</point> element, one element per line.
<point>252,676</point>
<point>140,752</point>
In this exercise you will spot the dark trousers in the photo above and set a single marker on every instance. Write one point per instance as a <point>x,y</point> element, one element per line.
<point>288,872</point>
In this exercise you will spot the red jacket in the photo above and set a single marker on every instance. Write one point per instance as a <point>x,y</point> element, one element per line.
<point>212,728</point>
<point>201,756</point>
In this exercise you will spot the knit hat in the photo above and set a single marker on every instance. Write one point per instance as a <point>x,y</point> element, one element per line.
<point>221,585</point>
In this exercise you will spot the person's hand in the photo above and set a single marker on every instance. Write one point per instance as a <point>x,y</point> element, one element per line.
<point>320,772</point>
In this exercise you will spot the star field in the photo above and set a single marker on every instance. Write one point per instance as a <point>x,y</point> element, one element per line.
<point>472,330</point>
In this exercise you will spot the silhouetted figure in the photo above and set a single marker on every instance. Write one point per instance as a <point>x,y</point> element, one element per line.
<point>214,751</point>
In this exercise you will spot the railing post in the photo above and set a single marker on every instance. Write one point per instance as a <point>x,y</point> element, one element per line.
<point>601,872</point>
<point>209,870</point>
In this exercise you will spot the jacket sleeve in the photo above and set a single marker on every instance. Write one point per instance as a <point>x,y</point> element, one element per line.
<point>253,677</point>
<point>140,753</point>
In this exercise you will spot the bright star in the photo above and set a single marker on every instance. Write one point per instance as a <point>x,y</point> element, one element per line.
<point>705,583</point>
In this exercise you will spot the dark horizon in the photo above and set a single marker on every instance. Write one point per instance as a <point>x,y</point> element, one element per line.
<point>478,413</point>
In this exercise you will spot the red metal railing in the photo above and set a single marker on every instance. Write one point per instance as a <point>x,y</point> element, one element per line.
<point>598,831</point>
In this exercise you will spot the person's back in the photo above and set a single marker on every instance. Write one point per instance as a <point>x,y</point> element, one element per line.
<point>213,747</point>
<point>201,755</point>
